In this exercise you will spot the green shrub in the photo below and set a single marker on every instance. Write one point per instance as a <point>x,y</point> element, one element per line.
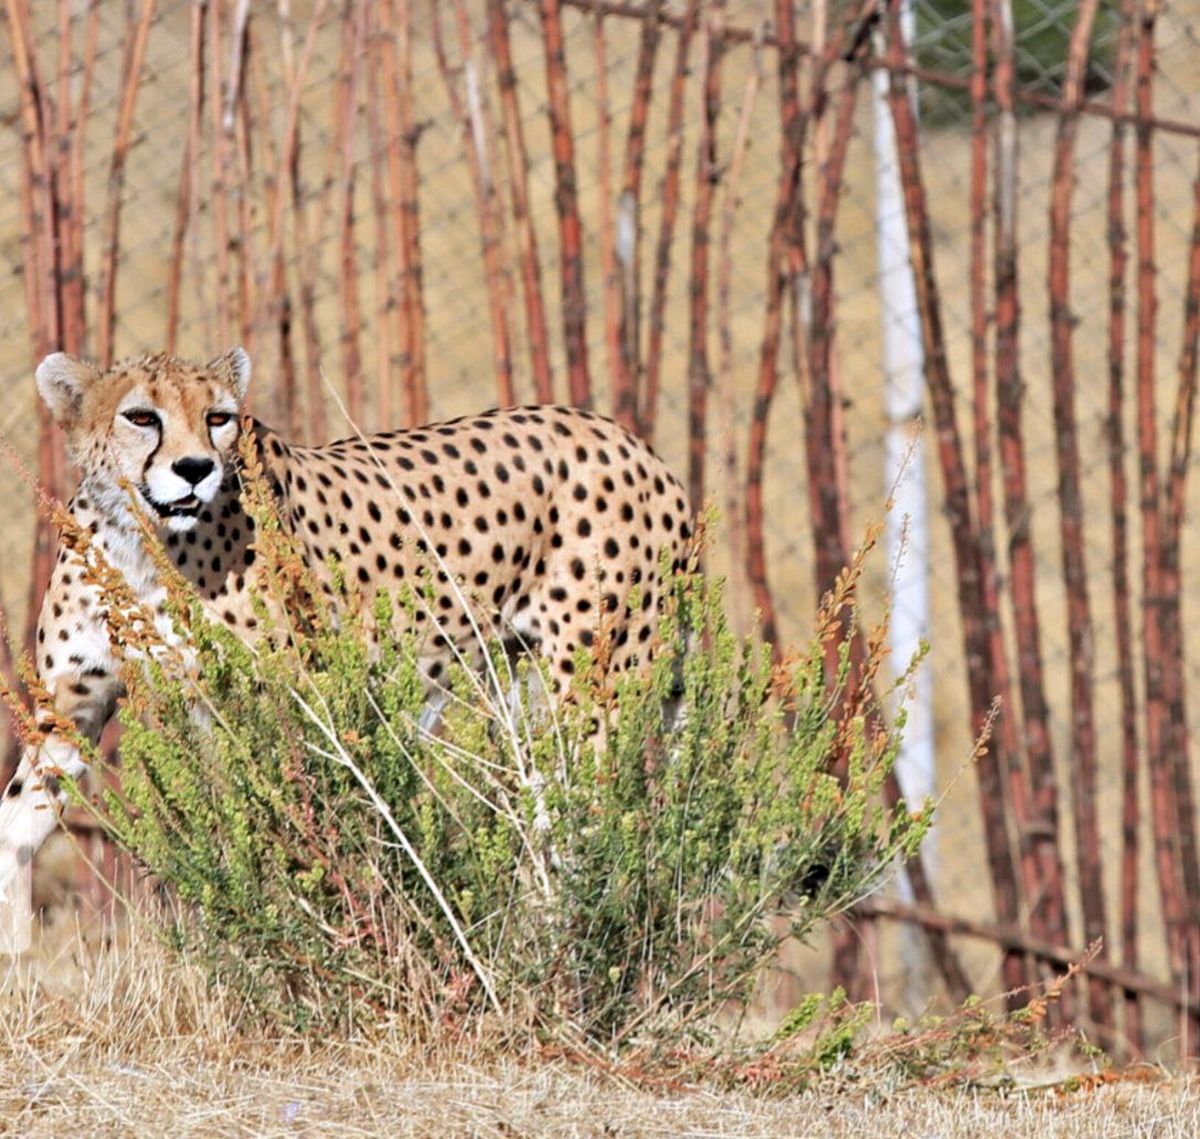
<point>333,860</point>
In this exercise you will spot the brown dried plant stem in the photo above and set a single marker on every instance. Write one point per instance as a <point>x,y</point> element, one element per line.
<point>629,248</point>
<point>734,34</point>
<point>981,402</point>
<point>353,48</point>
<point>400,120</point>
<point>566,200</point>
<point>43,276</point>
<point>707,175</point>
<point>826,444</point>
<point>72,124</point>
<point>669,195</point>
<point>387,299</point>
<point>1017,938</point>
<point>1039,840</point>
<point>1174,680</point>
<point>135,54</point>
<point>1080,632</point>
<point>236,123</point>
<point>788,201</point>
<point>287,164</point>
<point>1119,512</point>
<point>606,223</point>
<point>725,385</point>
<point>1158,732</point>
<point>958,502</point>
<point>517,156</point>
<point>467,112</point>
<point>186,198</point>
<point>218,189</point>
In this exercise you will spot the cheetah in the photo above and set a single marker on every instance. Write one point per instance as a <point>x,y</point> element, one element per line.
<point>544,525</point>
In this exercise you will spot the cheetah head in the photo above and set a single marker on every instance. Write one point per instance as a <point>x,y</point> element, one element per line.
<point>164,426</point>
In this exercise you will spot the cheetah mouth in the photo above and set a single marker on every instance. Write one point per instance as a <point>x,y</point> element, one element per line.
<point>187,507</point>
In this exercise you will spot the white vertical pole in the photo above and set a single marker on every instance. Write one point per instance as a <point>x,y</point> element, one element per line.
<point>907,530</point>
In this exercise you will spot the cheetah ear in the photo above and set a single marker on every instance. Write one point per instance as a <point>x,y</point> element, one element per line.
<point>234,369</point>
<point>61,381</point>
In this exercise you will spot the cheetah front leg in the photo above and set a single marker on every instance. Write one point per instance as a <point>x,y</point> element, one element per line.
<point>77,667</point>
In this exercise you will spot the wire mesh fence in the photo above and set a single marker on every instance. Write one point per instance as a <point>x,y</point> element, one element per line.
<point>675,211</point>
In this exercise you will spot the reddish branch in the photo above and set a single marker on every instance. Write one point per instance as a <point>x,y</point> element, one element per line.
<point>789,198</point>
<point>353,44</point>
<point>466,111</point>
<point>957,490</point>
<point>608,235</point>
<point>1158,732</point>
<point>707,174</point>
<point>42,278</point>
<point>669,195</point>
<point>1171,615</point>
<point>733,34</point>
<point>73,120</point>
<point>566,200</point>
<point>135,54</point>
<point>826,443</point>
<point>1080,633</point>
<point>726,393</point>
<point>629,245</point>
<point>186,199</point>
<point>1006,729</point>
<point>1039,840</point>
<point>400,121</point>
<point>1014,937</point>
<point>518,177</point>
<point>219,205</point>
<point>1119,497</point>
<point>236,124</point>
<point>387,300</point>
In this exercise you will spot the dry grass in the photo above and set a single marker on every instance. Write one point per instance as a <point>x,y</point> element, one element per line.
<point>115,1037</point>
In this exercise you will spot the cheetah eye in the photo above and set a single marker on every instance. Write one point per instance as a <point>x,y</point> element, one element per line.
<point>217,419</point>
<point>139,417</point>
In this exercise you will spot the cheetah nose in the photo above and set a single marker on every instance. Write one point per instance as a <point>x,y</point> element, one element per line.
<point>193,470</point>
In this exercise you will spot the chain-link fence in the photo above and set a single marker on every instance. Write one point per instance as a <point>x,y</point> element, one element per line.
<point>386,205</point>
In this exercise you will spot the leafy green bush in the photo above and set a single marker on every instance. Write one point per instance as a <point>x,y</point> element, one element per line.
<point>333,859</point>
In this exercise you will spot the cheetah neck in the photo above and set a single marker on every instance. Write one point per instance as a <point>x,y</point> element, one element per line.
<point>115,529</point>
